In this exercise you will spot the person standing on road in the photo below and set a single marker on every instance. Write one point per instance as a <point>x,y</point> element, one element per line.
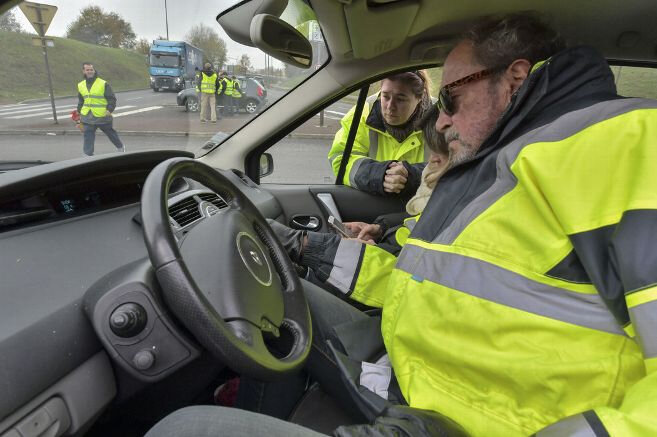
<point>227,86</point>
<point>207,88</point>
<point>96,102</point>
<point>237,95</point>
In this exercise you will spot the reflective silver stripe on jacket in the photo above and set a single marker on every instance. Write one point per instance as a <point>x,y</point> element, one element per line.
<point>345,265</point>
<point>374,144</point>
<point>354,171</point>
<point>476,278</point>
<point>565,126</point>
<point>573,426</point>
<point>644,320</point>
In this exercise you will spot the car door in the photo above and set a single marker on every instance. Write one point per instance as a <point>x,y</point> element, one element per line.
<point>304,183</point>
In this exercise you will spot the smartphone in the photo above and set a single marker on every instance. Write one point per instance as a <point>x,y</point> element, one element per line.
<point>339,227</point>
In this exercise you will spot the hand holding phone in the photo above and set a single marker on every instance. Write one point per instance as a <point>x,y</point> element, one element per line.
<point>339,227</point>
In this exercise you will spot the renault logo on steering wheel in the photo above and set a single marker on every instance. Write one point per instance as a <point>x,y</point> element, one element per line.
<point>255,257</point>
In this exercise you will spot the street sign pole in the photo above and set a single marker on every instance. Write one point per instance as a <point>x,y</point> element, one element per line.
<point>45,56</point>
<point>35,14</point>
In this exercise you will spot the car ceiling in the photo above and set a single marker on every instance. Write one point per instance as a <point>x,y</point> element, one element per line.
<point>367,29</point>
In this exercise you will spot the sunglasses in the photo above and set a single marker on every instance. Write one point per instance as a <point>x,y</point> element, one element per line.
<point>445,102</point>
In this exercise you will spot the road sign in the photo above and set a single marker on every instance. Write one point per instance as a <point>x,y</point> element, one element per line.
<point>40,41</point>
<point>39,15</point>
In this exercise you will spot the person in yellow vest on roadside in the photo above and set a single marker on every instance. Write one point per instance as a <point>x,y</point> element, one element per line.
<point>207,88</point>
<point>227,85</point>
<point>237,94</point>
<point>96,102</point>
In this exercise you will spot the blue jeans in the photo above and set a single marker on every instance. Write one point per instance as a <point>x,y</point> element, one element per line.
<point>90,136</point>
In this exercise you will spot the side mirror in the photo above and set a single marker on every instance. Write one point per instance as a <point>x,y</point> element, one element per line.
<point>266,165</point>
<point>281,41</point>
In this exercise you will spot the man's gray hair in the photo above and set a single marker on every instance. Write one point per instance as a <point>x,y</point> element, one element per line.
<point>500,40</point>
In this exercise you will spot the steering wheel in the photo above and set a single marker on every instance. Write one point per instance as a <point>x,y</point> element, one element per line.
<point>229,280</point>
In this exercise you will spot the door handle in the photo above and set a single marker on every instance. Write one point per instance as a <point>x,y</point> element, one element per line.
<point>306,222</point>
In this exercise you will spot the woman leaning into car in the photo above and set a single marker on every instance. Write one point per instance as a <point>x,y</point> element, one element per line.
<point>389,148</point>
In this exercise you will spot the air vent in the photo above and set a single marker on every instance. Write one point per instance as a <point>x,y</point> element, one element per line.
<point>213,199</point>
<point>185,212</point>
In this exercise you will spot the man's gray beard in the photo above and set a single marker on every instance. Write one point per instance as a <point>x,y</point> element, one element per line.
<point>466,153</point>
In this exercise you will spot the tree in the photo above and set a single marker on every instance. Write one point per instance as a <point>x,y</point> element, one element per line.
<point>106,29</point>
<point>9,22</point>
<point>245,64</point>
<point>143,46</point>
<point>206,39</point>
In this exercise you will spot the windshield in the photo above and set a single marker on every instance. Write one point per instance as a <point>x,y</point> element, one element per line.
<point>110,89</point>
<point>164,60</point>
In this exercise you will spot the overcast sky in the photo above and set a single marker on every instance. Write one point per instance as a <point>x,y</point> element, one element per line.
<point>147,19</point>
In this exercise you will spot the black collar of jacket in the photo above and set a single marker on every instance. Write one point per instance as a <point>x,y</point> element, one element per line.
<point>90,80</point>
<point>572,79</point>
<point>375,117</point>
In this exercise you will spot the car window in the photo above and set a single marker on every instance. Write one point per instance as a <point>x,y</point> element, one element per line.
<point>302,157</point>
<point>151,73</point>
<point>636,81</point>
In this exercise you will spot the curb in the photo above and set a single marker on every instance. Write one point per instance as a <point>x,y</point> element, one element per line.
<point>47,99</point>
<point>153,133</point>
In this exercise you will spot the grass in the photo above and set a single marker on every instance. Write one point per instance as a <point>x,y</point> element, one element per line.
<point>23,69</point>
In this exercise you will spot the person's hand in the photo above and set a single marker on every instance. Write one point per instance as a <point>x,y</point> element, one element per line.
<point>396,177</point>
<point>364,231</point>
<point>370,242</point>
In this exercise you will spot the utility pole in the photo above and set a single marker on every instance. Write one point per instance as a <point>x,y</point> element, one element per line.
<point>40,16</point>
<point>166,18</point>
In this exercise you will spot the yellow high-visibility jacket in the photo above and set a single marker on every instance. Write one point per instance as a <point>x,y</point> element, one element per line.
<point>525,298</point>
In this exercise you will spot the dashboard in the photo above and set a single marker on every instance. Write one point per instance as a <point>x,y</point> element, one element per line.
<point>68,229</point>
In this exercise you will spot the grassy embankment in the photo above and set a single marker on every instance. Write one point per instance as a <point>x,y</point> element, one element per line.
<point>23,70</point>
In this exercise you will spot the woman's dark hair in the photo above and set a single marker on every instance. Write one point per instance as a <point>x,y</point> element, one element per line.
<point>418,81</point>
<point>499,40</point>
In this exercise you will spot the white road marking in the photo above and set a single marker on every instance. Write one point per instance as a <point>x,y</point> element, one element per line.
<point>10,105</point>
<point>134,98</point>
<point>21,107</point>
<point>137,111</point>
<point>22,111</point>
<point>117,108</point>
<point>342,114</point>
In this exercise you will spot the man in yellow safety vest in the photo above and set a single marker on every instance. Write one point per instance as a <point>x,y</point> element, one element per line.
<point>96,102</point>
<point>207,88</point>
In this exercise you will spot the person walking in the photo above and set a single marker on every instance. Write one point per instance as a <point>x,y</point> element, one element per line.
<point>96,102</point>
<point>207,88</point>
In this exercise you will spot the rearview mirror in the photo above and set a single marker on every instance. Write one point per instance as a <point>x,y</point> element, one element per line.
<point>281,41</point>
<point>236,20</point>
<point>266,165</point>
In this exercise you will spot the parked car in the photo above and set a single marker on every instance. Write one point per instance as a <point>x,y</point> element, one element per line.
<point>254,97</point>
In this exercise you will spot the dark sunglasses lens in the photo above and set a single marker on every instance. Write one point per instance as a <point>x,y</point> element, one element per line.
<point>445,102</point>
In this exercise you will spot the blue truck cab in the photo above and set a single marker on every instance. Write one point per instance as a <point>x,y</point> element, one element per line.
<point>171,63</point>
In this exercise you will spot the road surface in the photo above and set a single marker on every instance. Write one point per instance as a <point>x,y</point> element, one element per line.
<point>147,120</point>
